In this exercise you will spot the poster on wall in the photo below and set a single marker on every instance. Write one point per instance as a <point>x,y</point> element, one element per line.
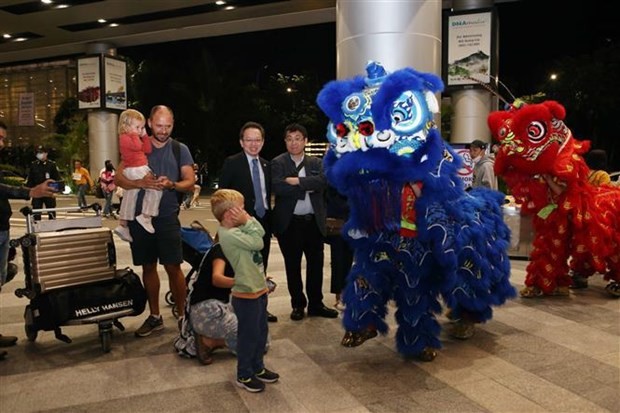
<point>115,71</point>
<point>89,83</point>
<point>26,109</point>
<point>470,56</point>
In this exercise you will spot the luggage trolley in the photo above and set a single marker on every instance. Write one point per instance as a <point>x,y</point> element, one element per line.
<point>71,276</point>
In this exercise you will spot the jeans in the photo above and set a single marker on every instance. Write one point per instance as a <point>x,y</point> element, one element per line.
<point>4,255</point>
<point>107,208</point>
<point>81,195</point>
<point>252,331</point>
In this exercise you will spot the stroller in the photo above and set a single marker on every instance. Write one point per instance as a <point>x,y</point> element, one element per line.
<point>196,243</point>
<point>71,276</point>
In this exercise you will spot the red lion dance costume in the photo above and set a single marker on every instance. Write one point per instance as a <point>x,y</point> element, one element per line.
<point>574,220</point>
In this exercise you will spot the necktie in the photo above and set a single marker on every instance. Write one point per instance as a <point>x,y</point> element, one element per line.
<point>259,205</point>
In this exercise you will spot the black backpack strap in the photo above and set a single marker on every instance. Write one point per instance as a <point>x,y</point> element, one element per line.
<point>176,150</point>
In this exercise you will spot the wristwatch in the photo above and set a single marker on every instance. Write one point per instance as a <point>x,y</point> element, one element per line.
<point>174,186</point>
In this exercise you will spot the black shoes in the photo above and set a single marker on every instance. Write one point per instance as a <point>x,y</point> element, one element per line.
<point>297,314</point>
<point>321,311</point>
<point>271,318</point>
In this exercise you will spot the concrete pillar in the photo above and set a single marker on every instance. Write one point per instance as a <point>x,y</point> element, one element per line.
<point>102,126</point>
<point>395,33</point>
<point>471,107</point>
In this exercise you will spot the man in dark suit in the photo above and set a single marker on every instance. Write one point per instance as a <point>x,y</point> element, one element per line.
<point>299,221</point>
<point>238,174</point>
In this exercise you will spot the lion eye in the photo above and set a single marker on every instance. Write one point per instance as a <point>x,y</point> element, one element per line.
<point>342,130</point>
<point>366,128</point>
<point>536,131</point>
<point>502,132</point>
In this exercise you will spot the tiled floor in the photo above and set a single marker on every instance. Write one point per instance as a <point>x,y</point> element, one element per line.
<point>536,355</point>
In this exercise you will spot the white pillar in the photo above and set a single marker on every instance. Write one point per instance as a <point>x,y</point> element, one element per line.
<point>471,107</point>
<point>395,33</point>
<point>102,126</point>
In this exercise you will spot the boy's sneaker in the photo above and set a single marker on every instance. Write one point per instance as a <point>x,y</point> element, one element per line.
<point>150,324</point>
<point>251,384</point>
<point>267,376</point>
<point>123,233</point>
<point>146,223</point>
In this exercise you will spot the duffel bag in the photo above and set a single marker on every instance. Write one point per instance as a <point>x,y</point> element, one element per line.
<point>110,297</point>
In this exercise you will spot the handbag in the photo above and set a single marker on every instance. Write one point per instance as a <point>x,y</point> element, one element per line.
<point>334,226</point>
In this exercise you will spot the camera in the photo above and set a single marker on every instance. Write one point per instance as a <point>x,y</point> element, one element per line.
<point>58,186</point>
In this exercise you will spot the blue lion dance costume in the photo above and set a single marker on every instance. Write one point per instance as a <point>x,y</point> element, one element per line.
<point>417,235</point>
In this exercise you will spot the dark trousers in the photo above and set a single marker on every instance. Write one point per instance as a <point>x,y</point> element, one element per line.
<point>252,331</point>
<point>264,221</point>
<point>38,203</point>
<point>341,261</point>
<point>302,237</point>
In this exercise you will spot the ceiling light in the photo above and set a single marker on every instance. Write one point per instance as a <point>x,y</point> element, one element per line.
<point>61,6</point>
<point>20,39</point>
<point>102,21</point>
<point>46,1</point>
<point>6,36</point>
<point>113,24</point>
<point>220,2</point>
<point>229,7</point>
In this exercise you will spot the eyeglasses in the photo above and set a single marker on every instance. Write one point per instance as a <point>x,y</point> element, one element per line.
<point>253,140</point>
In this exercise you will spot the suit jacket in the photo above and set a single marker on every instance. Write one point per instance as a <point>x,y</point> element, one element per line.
<point>236,175</point>
<point>287,195</point>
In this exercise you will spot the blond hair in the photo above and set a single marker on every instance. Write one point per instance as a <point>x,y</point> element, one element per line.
<point>222,200</point>
<point>124,121</point>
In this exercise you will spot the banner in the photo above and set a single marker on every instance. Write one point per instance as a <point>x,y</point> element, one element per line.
<point>26,109</point>
<point>115,83</point>
<point>89,83</point>
<point>470,51</point>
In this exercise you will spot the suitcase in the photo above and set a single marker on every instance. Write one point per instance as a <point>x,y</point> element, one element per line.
<point>71,276</point>
<point>69,258</point>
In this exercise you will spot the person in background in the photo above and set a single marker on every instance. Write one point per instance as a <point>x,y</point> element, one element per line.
<point>484,176</point>
<point>42,190</point>
<point>134,147</point>
<point>83,181</point>
<point>340,251</point>
<point>298,221</point>
<point>191,198</point>
<point>40,171</point>
<point>241,238</point>
<point>106,180</point>
<point>163,246</point>
<point>239,173</point>
<point>596,160</point>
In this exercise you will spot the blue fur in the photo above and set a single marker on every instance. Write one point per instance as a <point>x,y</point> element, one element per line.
<point>459,253</point>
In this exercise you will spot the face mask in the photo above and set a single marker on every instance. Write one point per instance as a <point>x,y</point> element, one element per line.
<point>40,156</point>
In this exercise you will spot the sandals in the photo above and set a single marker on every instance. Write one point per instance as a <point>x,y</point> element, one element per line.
<point>357,338</point>
<point>203,352</point>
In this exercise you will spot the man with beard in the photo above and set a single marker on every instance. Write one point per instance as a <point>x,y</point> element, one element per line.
<point>172,166</point>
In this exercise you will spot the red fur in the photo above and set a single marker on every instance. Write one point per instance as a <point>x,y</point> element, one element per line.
<point>585,226</point>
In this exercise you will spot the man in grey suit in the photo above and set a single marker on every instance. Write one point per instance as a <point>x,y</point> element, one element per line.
<point>299,221</point>
<point>240,171</point>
